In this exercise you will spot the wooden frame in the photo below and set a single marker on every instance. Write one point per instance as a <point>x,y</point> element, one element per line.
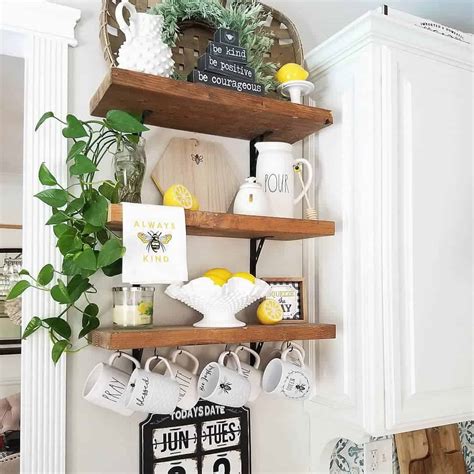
<point>279,281</point>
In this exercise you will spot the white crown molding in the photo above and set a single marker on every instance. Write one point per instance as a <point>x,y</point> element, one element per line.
<point>39,17</point>
<point>376,27</point>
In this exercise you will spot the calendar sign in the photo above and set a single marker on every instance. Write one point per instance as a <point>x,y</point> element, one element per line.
<point>208,438</point>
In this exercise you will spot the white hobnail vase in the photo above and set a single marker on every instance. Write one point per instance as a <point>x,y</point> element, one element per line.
<point>218,304</point>
<point>143,49</point>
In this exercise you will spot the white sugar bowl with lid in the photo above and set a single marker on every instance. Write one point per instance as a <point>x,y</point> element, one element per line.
<point>251,199</point>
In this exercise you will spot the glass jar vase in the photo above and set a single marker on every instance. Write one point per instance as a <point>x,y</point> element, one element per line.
<point>133,306</point>
<point>129,169</point>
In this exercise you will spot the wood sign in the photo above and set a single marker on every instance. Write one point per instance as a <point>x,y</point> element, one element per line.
<point>225,51</point>
<point>210,63</point>
<point>206,439</point>
<point>289,292</point>
<point>211,79</point>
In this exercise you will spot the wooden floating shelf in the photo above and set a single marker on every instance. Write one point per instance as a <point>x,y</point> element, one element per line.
<point>215,224</point>
<point>205,109</point>
<point>169,336</point>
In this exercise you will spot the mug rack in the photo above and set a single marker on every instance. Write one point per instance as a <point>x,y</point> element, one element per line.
<point>203,109</point>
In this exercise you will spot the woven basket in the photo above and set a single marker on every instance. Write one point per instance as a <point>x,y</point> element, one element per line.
<point>195,36</point>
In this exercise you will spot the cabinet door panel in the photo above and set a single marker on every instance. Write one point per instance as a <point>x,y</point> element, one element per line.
<point>427,236</point>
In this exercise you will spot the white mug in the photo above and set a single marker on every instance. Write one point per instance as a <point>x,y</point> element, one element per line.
<point>150,392</point>
<point>287,379</point>
<point>222,385</point>
<point>105,386</point>
<point>251,372</point>
<point>187,380</point>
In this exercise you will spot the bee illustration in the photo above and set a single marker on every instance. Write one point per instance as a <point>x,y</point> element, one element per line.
<point>225,386</point>
<point>197,158</point>
<point>300,387</point>
<point>155,240</point>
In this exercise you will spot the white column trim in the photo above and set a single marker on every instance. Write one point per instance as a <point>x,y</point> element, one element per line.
<point>45,31</point>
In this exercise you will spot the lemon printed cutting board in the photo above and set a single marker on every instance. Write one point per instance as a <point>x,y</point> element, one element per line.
<point>202,166</point>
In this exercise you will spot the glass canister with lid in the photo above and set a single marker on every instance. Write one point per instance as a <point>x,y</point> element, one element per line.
<point>133,306</point>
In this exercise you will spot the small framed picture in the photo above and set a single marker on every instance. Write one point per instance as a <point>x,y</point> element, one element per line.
<point>289,292</point>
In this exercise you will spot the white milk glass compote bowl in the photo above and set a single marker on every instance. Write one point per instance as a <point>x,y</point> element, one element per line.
<point>218,304</point>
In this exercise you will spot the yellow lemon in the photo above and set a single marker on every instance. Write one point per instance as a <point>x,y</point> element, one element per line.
<point>291,72</point>
<point>245,276</point>
<point>145,308</point>
<point>216,280</point>
<point>179,196</point>
<point>195,205</point>
<point>269,312</point>
<point>221,273</point>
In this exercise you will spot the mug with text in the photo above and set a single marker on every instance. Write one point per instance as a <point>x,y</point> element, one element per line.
<point>150,392</point>
<point>105,386</point>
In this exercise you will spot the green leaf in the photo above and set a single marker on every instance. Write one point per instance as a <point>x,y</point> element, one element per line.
<point>82,165</point>
<point>113,269</point>
<point>69,267</point>
<point>102,236</point>
<point>18,289</point>
<point>46,177</point>
<point>58,348</point>
<point>24,272</point>
<point>60,294</point>
<point>69,244</point>
<point>107,189</point>
<point>92,323</point>
<point>33,325</point>
<point>77,286</point>
<point>59,326</point>
<point>76,148</point>
<point>57,218</point>
<point>53,197</point>
<point>75,205</point>
<point>43,118</point>
<point>110,252</point>
<point>91,229</point>
<point>60,229</point>
<point>86,259</point>
<point>91,311</point>
<point>74,128</point>
<point>95,211</point>
<point>46,274</point>
<point>124,122</point>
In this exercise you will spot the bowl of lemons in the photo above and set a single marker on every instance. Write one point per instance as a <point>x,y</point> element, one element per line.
<point>219,295</point>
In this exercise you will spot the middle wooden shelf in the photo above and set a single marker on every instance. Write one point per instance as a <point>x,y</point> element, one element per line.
<point>215,224</point>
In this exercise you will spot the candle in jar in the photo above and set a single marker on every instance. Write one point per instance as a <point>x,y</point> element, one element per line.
<point>133,306</point>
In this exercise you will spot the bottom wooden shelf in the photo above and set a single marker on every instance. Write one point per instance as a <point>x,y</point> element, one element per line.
<point>168,336</point>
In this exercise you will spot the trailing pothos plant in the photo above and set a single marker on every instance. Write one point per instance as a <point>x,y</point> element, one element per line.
<point>79,216</point>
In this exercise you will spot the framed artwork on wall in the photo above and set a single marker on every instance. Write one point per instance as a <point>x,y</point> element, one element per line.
<point>289,292</point>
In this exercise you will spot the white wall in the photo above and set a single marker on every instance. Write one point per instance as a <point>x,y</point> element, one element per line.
<point>101,442</point>
<point>98,441</point>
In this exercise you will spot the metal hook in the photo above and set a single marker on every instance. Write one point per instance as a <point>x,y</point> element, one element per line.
<point>119,354</point>
<point>178,348</point>
<point>155,352</point>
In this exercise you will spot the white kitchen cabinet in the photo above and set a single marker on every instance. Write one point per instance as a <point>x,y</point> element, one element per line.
<point>397,176</point>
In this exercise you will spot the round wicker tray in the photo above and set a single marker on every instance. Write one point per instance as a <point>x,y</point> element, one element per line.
<point>196,35</point>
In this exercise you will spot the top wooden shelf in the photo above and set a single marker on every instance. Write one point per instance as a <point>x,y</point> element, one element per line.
<point>205,109</point>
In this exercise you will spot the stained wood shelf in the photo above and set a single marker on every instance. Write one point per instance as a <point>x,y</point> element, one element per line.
<point>216,224</point>
<point>169,336</point>
<point>204,109</point>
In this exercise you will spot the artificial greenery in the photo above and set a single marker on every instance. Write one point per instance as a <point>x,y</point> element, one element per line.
<point>244,16</point>
<point>78,221</point>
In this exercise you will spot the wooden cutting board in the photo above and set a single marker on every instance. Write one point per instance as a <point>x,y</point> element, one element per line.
<point>430,451</point>
<point>203,167</point>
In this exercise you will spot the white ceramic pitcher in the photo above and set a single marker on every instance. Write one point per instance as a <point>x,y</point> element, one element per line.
<point>275,172</point>
<point>143,49</point>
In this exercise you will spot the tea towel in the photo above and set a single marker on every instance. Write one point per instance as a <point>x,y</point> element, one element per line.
<point>155,242</point>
